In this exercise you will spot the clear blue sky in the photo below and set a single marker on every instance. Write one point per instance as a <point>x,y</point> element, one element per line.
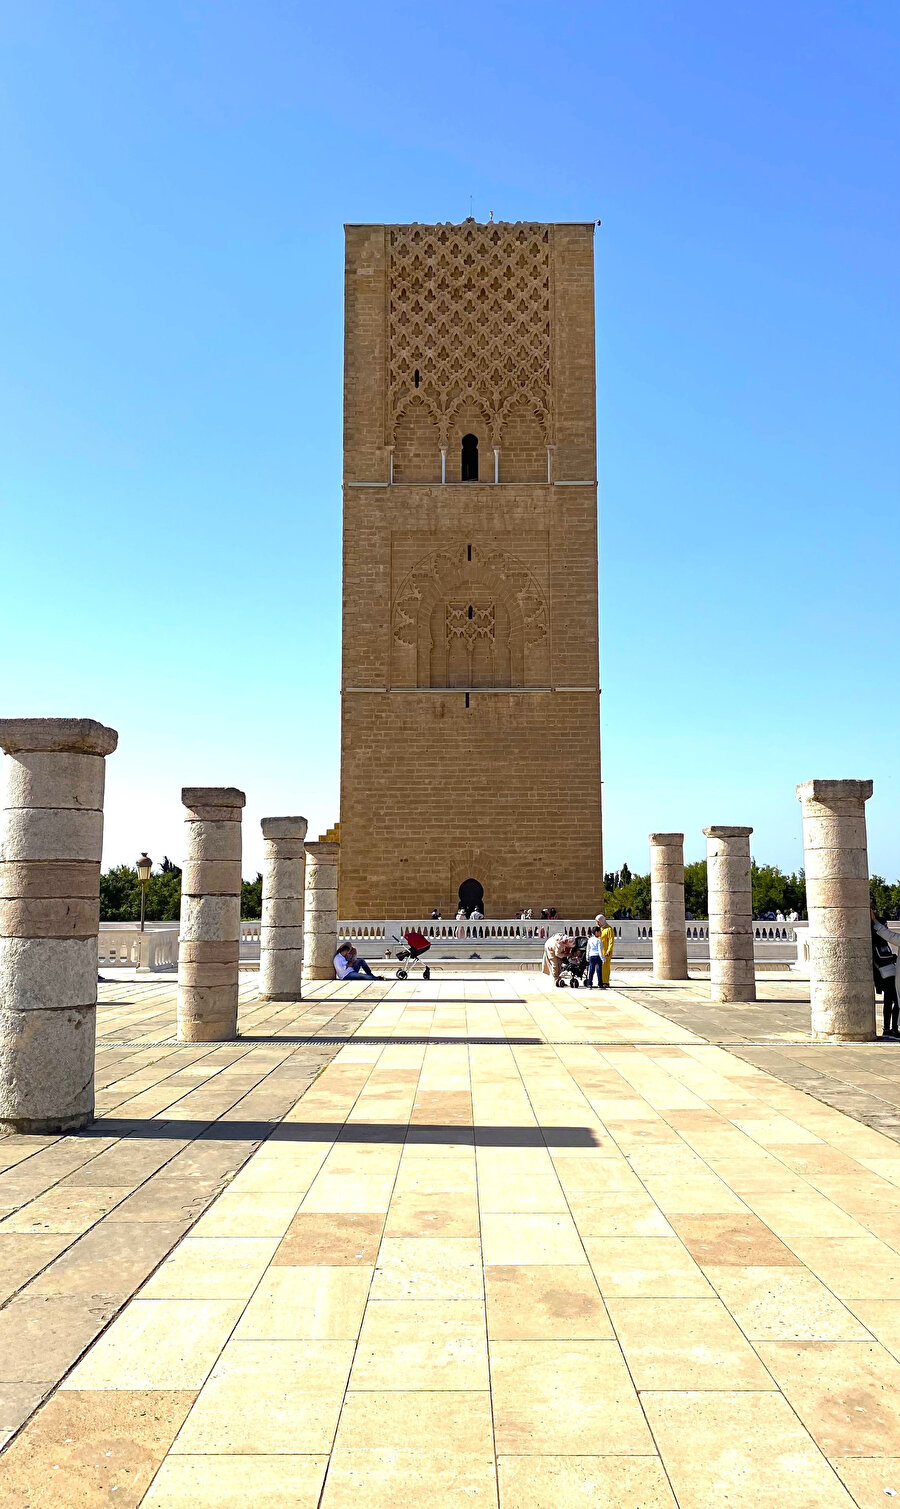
<point>174,182</point>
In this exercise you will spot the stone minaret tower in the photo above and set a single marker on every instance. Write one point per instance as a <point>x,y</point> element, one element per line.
<point>470,741</point>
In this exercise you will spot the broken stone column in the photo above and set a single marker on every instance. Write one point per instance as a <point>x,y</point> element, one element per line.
<point>667,906</point>
<point>731,972</point>
<point>842,998</point>
<point>320,919</point>
<point>209,940</point>
<point>49,920</point>
<point>281,936</point>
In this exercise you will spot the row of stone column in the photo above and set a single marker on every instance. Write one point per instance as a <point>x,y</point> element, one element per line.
<point>731,972</point>
<point>298,930</point>
<point>837,893</point>
<point>50,855</point>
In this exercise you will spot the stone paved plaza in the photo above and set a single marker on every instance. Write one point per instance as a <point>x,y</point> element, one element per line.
<point>465,1240</point>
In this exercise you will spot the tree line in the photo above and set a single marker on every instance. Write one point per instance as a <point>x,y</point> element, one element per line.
<point>623,893</point>
<point>773,891</point>
<point>120,895</point>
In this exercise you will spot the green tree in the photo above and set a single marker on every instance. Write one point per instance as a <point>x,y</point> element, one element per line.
<point>773,891</point>
<point>885,897</point>
<point>251,897</point>
<point>120,894</point>
<point>696,889</point>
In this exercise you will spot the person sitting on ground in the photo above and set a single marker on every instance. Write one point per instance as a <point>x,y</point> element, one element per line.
<point>556,950</point>
<point>349,966</point>
<point>884,967</point>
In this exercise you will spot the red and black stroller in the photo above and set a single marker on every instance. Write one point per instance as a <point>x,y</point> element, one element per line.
<point>413,945</point>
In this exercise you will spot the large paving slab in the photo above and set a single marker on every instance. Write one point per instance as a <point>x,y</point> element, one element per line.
<point>482,1241</point>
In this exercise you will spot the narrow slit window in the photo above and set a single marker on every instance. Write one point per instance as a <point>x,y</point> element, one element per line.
<point>416,377</point>
<point>469,460</point>
<point>469,552</point>
<point>467,699</point>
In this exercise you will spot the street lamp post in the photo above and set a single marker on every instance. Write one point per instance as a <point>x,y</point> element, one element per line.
<point>143,866</point>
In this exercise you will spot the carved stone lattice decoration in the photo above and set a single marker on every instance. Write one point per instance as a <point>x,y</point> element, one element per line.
<point>432,609</point>
<point>470,621</point>
<point>469,312</point>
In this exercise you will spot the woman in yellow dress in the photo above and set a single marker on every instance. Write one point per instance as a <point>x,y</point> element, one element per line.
<point>607,944</point>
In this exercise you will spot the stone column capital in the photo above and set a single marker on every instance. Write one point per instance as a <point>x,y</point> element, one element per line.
<point>828,792</point>
<point>322,851</point>
<point>56,736</point>
<point>212,796</point>
<point>274,828</point>
<point>666,839</point>
<point>718,831</point>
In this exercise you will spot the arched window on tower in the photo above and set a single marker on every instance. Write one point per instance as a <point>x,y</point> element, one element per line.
<point>469,463</point>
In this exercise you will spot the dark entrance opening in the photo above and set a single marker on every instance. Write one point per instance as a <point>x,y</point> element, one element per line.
<point>469,460</point>
<point>471,895</point>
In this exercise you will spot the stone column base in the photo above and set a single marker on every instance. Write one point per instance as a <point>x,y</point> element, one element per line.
<point>737,991</point>
<point>281,995</point>
<point>844,1037</point>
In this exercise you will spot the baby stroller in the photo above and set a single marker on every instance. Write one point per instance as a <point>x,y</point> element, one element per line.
<point>574,968</point>
<point>412,945</point>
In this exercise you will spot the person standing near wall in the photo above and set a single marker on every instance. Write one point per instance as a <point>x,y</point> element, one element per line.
<point>884,968</point>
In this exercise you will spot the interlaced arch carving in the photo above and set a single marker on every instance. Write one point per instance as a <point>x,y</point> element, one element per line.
<point>469,311</point>
<point>458,621</point>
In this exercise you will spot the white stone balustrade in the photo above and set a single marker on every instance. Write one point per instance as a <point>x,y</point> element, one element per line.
<point>123,945</point>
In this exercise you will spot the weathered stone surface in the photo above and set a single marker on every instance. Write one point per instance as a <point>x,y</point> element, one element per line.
<point>214,842</point>
<point>837,864</point>
<point>46,1070</point>
<point>55,780</point>
<point>667,906</point>
<point>837,891</point>
<point>832,832</point>
<point>284,828</point>
<point>281,935</point>
<point>320,919</point>
<point>211,877</point>
<point>210,918</point>
<point>731,972</point>
<point>204,972</point>
<point>284,848</point>
<point>731,945</point>
<point>841,959</point>
<point>844,797</point>
<point>39,974</point>
<point>283,912</point>
<point>47,877</point>
<point>210,914</point>
<point>52,833</point>
<point>50,917</point>
<point>212,796</point>
<point>62,735</point>
<point>196,950</point>
<point>280,974</point>
<point>284,878</point>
